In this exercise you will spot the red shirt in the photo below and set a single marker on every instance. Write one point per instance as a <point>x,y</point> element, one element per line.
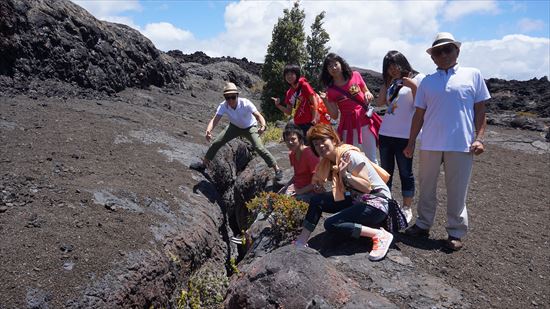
<point>352,115</point>
<point>305,168</point>
<point>300,101</point>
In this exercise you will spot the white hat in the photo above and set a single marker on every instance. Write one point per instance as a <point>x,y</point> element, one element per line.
<point>230,88</point>
<point>443,38</point>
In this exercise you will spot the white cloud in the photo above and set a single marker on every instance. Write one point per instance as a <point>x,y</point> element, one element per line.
<point>512,57</point>
<point>248,27</point>
<point>101,9</point>
<point>122,20</point>
<point>528,25</point>
<point>108,10</point>
<point>363,39</point>
<point>454,10</point>
<point>166,36</point>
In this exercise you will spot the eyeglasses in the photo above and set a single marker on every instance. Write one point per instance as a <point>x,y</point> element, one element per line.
<point>230,97</point>
<point>447,49</point>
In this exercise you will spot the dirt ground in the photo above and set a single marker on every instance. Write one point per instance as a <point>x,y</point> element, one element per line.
<point>506,259</point>
<point>62,162</point>
<point>58,157</point>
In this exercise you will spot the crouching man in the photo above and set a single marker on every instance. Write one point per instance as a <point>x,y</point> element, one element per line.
<point>243,121</point>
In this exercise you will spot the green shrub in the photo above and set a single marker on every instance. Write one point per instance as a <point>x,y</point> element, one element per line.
<point>205,289</point>
<point>272,134</point>
<point>285,214</point>
<point>526,114</point>
<point>233,265</point>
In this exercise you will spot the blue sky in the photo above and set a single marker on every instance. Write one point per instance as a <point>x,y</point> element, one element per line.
<point>506,39</point>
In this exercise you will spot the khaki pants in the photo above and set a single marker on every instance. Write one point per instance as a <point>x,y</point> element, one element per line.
<point>457,167</point>
<point>251,134</point>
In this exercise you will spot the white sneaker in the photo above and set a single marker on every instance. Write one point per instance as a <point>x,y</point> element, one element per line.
<point>380,245</point>
<point>407,211</point>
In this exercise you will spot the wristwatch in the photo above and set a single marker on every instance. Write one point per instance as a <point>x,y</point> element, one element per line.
<point>347,176</point>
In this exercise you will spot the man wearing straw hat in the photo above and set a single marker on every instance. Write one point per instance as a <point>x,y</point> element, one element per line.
<point>450,110</point>
<point>243,121</point>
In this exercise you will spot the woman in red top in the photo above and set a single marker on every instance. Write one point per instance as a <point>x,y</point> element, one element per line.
<point>345,89</point>
<point>300,99</point>
<point>304,162</point>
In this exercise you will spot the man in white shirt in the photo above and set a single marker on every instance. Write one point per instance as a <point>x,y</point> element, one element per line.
<point>450,110</point>
<point>243,121</point>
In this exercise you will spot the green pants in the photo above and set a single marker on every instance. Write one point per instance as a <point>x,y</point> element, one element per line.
<point>251,134</point>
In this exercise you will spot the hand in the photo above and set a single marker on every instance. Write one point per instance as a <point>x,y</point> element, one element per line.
<point>477,147</point>
<point>344,162</point>
<point>291,190</point>
<point>316,117</point>
<point>276,101</point>
<point>208,136</point>
<point>261,129</point>
<point>368,96</point>
<point>408,82</point>
<point>409,150</point>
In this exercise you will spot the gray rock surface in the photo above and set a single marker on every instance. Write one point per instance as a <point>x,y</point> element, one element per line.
<point>335,273</point>
<point>290,278</point>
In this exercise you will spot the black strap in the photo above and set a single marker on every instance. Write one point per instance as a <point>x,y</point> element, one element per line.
<point>378,193</point>
<point>396,92</point>
<point>297,94</point>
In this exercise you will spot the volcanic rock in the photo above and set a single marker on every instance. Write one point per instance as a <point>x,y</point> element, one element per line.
<point>98,129</point>
<point>59,40</point>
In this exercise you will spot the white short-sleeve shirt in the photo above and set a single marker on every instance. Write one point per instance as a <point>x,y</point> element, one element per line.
<point>397,121</point>
<point>377,183</point>
<point>448,99</point>
<point>242,116</point>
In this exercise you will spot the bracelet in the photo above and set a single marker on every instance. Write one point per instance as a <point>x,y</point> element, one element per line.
<point>347,176</point>
<point>480,141</point>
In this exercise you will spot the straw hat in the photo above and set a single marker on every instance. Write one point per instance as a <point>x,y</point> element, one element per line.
<point>443,38</point>
<point>230,88</point>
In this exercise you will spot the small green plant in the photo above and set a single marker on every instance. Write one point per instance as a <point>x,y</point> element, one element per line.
<point>182,300</point>
<point>272,134</point>
<point>174,258</point>
<point>205,289</point>
<point>284,212</point>
<point>526,114</point>
<point>233,265</point>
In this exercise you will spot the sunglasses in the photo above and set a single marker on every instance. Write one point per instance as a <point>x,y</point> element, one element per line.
<point>447,49</point>
<point>230,97</point>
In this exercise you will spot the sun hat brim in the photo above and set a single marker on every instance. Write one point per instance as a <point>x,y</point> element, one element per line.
<point>441,43</point>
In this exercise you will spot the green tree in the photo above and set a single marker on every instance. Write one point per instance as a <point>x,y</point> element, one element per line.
<point>316,51</point>
<point>287,46</point>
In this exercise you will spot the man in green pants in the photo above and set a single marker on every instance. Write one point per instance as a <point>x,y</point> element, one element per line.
<point>243,121</point>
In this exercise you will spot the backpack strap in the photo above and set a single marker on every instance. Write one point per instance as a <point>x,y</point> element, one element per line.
<point>396,220</point>
<point>349,96</point>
